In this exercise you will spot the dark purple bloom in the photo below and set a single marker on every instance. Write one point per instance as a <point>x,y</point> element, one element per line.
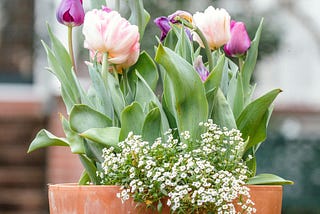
<point>201,69</point>
<point>163,23</point>
<point>239,42</point>
<point>70,12</point>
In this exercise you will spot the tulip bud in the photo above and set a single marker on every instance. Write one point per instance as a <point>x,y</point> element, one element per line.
<point>201,69</point>
<point>240,40</point>
<point>70,12</point>
<point>164,22</point>
<point>214,25</point>
<point>107,32</point>
<point>164,25</point>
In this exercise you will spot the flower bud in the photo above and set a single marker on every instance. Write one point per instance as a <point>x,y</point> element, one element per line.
<point>164,22</point>
<point>240,40</point>
<point>70,12</point>
<point>107,32</point>
<point>201,69</point>
<point>215,26</point>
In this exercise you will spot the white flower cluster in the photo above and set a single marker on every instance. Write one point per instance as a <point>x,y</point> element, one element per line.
<point>209,177</point>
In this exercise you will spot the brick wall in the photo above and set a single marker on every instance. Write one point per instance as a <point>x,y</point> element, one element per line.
<point>22,175</point>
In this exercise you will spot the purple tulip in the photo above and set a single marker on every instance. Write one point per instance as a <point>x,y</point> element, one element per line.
<point>201,69</point>
<point>70,12</point>
<point>239,42</point>
<point>164,23</point>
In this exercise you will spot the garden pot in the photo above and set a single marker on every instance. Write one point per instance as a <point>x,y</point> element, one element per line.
<point>267,198</point>
<point>92,199</point>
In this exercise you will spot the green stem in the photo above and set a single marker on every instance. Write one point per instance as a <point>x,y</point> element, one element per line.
<point>203,39</point>
<point>70,45</point>
<point>206,48</point>
<point>241,61</point>
<point>105,65</point>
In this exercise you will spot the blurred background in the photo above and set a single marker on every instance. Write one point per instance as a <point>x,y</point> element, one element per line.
<point>29,96</point>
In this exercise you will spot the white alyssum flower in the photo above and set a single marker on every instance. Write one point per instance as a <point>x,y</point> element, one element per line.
<point>208,176</point>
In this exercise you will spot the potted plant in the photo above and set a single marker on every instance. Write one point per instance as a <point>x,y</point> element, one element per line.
<point>189,148</point>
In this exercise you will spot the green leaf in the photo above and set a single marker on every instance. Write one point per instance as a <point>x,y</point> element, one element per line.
<point>94,151</point>
<point>183,46</point>
<point>45,139</point>
<point>222,114</point>
<point>90,168</point>
<point>145,96</point>
<point>184,91</point>
<point>251,59</point>
<point>61,53</point>
<point>147,69</point>
<point>68,94</point>
<point>84,178</point>
<point>268,179</point>
<point>108,136</point>
<point>75,141</point>
<point>101,93</point>
<point>132,118</point>
<point>139,16</point>
<point>235,95</point>
<point>82,118</point>
<point>214,79</point>
<point>152,126</point>
<point>117,95</point>
<point>253,120</point>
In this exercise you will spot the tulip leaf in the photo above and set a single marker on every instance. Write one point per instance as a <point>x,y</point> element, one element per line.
<point>94,150</point>
<point>145,95</point>
<point>44,139</point>
<point>235,94</point>
<point>90,168</point>
<point>147,69</point>
<point>251,59</point>
<point>268,179</point>
<point>222,114</point>
<point>132,119</point>
<point>253,120</point>
<point>108,136</point>
<point>82,118</point>
<point>184,92</point>
<point>117,96</point>
<point>102,95</point>
<point>152,125</point>
<point>139,16</point>
<point>75,141</point>
<point>214,79</point>
<point>183,46</point>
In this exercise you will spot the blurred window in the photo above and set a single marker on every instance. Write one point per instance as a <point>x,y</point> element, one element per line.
<point>16,41</point>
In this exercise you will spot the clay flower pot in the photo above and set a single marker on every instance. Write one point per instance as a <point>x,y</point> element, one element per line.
<point>92,199</point>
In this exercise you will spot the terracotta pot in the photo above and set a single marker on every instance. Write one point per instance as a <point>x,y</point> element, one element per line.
<point>92,199</point>
<point>267,198</point>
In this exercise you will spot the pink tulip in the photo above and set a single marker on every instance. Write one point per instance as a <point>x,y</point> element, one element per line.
<point>106,31</point>
<point>215,26</point>
<point>70,12</point>
<point>240,40</point>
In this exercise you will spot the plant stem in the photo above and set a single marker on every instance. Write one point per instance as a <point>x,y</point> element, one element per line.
<point>206,48</point>
<point>105,65</point>
<point>203,39</point>
<point>70,45</point>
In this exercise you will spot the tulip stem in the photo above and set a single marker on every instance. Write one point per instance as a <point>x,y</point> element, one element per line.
<point>70,44</point>
<point>105,65</point>
<point>206,48</point>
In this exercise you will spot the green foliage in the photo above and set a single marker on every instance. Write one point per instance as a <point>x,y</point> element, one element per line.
<point>116,104</point>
